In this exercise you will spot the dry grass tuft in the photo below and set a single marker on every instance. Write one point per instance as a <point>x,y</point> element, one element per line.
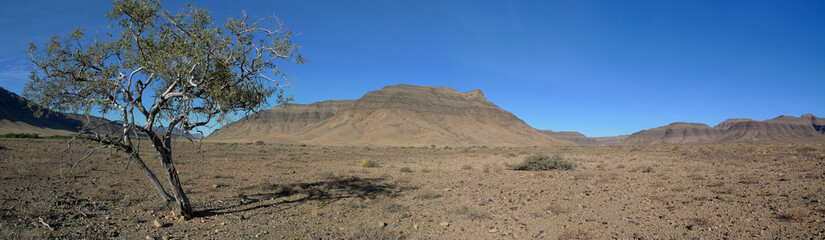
<point>575,235</point>
<point>796,214</point>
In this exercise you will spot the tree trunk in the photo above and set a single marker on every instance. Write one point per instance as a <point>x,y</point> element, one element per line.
<point>182,209</point>
<point>164,196</point>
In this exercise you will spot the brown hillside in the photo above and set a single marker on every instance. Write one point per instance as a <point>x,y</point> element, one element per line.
<point>780,128</point>
<point>17,117</point>
<point>400,115</point>
<point>583,140</point>
<point>678,132</point>
<point>733,130</point>
<point>727,123</point>
<point>572,136</point>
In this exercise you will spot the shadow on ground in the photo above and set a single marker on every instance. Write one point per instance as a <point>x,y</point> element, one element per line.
<point>272,195</point>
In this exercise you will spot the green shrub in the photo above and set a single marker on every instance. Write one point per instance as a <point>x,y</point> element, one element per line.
<point>368,162</point>
<point>467,167</point>
<point>542,162</point>
<point>20,135</point>
<point>259,142</point>
<point>406,169</point>
<point>513,154</point>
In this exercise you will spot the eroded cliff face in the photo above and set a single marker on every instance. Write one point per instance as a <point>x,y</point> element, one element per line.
<point>732,130</point>
<point>399,115</point>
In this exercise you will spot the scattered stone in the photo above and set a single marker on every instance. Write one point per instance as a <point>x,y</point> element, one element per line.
<point>415,226</point>
<point>382,224</point>
<point>158,223</point>
<point>692,227</point>
<point>149,237</point>
<point>166,238</point>
<point>444,224</point>
<point>492,229</point>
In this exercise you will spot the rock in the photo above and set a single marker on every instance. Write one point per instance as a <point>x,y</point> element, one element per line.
<point>415,226</point>
<point>382,224</point>
<point>135,220</point>
<point>692,227</point>
<point>158,223</point>
<point>444,224</point>
<point>149,237</point>
<point>492,229</point>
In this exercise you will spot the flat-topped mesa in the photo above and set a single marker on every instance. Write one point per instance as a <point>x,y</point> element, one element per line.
<point>727,123</point>
<point>440,100</point>
<point>398,115</point>
<point>779,128</point>
<point>733,130</point>
<point>678,132</point>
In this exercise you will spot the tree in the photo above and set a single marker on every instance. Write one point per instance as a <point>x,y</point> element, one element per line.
<point>162,71</point>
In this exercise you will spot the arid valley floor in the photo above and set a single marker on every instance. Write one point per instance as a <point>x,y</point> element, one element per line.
<point>762,190</point>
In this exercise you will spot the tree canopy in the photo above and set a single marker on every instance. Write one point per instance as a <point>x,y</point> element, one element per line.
<point>157,69</point>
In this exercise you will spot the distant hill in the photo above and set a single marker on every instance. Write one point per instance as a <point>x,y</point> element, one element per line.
<point>583,140</point>
<point>732,130</point>
<point>17,117</point>
<point>399,115</point>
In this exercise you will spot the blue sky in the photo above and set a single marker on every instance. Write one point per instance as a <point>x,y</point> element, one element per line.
<point>598,67</point>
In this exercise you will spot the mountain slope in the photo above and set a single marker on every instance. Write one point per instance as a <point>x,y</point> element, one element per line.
<point>17,117</point>
<point>733,130</point>
<point>399,115</point>
<point>678,132</point>
<point>779,128</point>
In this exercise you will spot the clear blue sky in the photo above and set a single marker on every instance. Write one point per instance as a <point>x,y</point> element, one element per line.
<point>598,67</point>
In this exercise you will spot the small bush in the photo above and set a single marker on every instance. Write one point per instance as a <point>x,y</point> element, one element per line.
<point>259,142</point>
<point>467,167</point>
<point>542,162</point>
<point>406,169</point>
<point>20,135</point>
<point>513,154</point>
<point>368,162</point>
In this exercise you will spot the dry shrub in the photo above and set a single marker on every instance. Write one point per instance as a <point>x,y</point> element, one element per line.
<point>681,188</point>
<point>428,196</point>
<point>583,176</point>
<point>701,221</point>
<point>470,213</point>
<point>696,177</point>
<point>368,163</point>
<point>603,179</point>
<point>796,214</point>
<point>575,235</point>
<point>542,162</point>
<point>749,179</point>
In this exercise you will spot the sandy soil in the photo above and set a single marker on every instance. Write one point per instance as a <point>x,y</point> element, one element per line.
<point>243,191</point>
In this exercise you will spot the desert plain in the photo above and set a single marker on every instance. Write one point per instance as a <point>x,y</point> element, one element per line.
<point>754,190</point>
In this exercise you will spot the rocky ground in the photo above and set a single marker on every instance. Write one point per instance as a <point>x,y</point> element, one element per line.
<point>246,191</point>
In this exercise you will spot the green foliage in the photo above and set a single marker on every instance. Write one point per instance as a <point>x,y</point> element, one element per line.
<point>513,154</point>
<point>259,142</point>
<point>467,167</point>
<point>406,170</point>
<point>542,162</point>
<point>368,163</point>
<point>20,135</point>
<point>187,67</point>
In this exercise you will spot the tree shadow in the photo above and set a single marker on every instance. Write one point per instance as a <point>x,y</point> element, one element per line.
<point>269,195</point>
